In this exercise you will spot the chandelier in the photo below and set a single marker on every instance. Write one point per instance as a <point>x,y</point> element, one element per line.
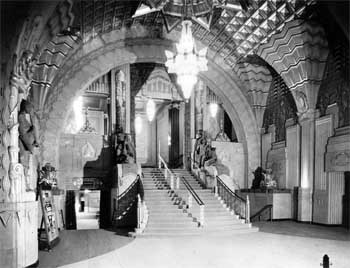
<point>187,62</point>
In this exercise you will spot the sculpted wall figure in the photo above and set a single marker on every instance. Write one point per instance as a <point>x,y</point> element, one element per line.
<point>28,128</point>
<point>222,136</point>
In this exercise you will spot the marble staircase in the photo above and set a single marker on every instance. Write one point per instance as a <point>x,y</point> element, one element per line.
<point>168,213</point>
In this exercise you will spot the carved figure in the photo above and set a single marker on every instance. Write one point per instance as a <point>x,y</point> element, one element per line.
<point>269,181</point>
<point>211,157</point>
<point>203,147</point>
<point>125,151</point>
<point>301,101</point>
<point>258,178</point>
<point>196,147</point>
<point>28,127</point>
<point>221,136</point>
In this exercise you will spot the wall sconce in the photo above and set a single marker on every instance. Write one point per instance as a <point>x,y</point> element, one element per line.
<point>138,124</point>
<point>213,101</point>
<point>150,109</point>
<point>213,108</point>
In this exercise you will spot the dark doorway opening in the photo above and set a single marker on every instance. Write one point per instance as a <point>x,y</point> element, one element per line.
<point>175,159</point>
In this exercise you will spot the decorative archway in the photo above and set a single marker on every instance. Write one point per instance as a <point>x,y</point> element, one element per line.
<point>83,68</point>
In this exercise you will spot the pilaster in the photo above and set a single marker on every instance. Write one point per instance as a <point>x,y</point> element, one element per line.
<point>307,166</point>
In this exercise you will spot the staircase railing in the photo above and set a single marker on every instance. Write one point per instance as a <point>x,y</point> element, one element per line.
<point>239,205</point>
<point>142,211</point>
<point>174,182</point>
<point>200,204</point>
<point>261,211</point>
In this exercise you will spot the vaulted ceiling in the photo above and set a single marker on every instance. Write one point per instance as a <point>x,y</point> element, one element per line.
<point>235,30</point>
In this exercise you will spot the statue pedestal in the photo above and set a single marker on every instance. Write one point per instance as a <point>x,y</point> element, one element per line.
<point>18,234</point>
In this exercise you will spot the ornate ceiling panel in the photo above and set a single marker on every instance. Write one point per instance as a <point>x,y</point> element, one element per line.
<point>237,27</point>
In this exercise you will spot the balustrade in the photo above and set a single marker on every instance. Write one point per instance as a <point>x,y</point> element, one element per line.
<point>235,203</point>
<point>196,209</point>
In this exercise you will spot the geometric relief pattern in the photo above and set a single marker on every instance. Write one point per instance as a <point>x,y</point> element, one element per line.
<point>233,34</point>
<point>257,80</point>
<point>335,87</point>
<point>280,107</point>
<point>299,53</point>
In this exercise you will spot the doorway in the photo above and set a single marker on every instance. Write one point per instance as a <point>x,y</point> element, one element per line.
<point>175,159</point>
<point>87,209</point>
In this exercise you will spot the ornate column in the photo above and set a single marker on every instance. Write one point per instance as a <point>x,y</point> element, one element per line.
<point>305,191</point>
<point>199,102</point>
<point>299,54</point>
<point>18,228</point>
<point>126,70</point>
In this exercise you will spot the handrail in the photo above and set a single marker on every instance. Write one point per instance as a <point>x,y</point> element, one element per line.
<point>142,211</point>
<point>236,203</point>
<point>269,206</point>
<point>229,190</point>
<point>192,192</point>
<point>189,188</point>
<point>130,186</point>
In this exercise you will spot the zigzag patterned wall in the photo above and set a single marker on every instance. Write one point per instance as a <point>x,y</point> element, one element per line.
<point>257,80</point>
<point>299,53</point>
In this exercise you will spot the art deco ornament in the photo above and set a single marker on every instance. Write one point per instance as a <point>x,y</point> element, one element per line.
<point>187,62</point>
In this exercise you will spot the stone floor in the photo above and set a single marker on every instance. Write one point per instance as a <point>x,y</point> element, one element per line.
<point>278,244</point>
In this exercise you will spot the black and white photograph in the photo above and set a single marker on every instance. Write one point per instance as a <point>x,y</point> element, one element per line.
<point>174,134</point>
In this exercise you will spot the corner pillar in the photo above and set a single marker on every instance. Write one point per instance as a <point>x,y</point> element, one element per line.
<point>307,166</point>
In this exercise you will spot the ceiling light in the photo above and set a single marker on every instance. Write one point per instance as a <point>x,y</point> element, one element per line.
<point>187,62</point>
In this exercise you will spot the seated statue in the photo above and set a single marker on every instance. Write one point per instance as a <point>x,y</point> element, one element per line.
<point>221,136</point>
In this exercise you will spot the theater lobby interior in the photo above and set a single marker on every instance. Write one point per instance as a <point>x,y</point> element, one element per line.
<point>174,133</point>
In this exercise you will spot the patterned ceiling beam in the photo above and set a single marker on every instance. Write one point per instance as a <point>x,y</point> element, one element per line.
<point>257,80</point>
<point>47,67</point>
<point>299,55</point>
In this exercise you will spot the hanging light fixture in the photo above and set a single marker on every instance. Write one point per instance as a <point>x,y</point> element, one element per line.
<point>138,124</point>
<point>213,103</point>
<point>187,62</point>
<point>213,108</point>
<point>150,109</point>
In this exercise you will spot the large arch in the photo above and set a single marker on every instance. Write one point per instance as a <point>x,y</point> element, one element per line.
<point>96,58</point>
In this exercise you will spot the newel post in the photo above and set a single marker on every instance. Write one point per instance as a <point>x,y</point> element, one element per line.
<point>215,186</point>
<point>177,182</point>
<point>189,200</point>
<point>201,215</point>
<point>172,181</point>
<point>139,211</point>
<point>247,211</point>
